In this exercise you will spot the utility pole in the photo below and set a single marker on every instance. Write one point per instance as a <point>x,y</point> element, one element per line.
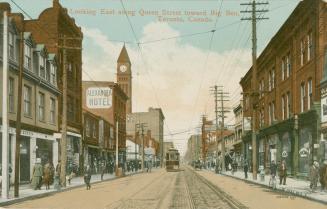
<point>19,113</point>
<point>117,141</point>
<point>254,93</point>
<point>220,97</point>
<point>5,147</point>
<point>63,142</point>
<point>142,126</point>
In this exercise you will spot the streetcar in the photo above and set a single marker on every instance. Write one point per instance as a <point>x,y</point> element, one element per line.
<point>172,160</point>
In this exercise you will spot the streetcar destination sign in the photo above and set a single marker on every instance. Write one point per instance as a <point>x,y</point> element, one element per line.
<point>99,97</point>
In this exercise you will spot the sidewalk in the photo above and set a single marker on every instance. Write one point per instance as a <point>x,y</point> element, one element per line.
<point>293,186</point>
<point>27,193</point>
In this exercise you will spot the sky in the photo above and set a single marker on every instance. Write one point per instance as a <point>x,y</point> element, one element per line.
<point>178,58</point>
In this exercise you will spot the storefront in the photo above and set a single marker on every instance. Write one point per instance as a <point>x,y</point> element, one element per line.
<point>305,149</point>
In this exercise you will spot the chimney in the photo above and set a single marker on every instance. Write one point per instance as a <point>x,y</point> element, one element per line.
<point>5,7</point>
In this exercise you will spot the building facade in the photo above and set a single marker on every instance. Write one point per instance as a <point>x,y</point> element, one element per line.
<point>154,120</point>
<point>289,71</point>
<point>56,30</point>
<point>107,101</point>
<point>40,95</point>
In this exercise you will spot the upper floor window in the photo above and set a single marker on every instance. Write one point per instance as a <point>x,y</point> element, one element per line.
<point>12,46</point>
<point>288,65</point>
<point>41,106</point>
<point>94,131</point>
<point>11,93</point>
<point>302,96</point>
<point>309,93</point>
<point>283,107</point>
<point>288,105</point>
<point>52,110</point>
<point>27,101</point>
<point>53,74</point>
<point>283,68</point>
<point>302,52</point>
<point>310,45</point>
<point>42,64</point>
<point>27,56</point>
<point>87,128</point>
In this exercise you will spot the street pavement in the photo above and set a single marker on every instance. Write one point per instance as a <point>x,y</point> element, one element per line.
<point>26,192</point>
<point>294,186</point>
<point>174,190</point>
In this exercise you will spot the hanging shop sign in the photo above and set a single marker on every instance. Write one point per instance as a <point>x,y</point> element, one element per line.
<point>284,154</point>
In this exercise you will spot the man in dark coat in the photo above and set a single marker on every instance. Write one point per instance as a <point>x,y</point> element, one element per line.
<point>246,168</point>
<point>87,177</point>
<point>282,173</point>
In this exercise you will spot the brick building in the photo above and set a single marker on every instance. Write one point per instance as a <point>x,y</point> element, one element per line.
<point>108,101</point>
<point>289,71</point>
<point>52,25</point>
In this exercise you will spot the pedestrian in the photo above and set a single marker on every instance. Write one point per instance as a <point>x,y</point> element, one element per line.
<point>322,175</point>
<point>37,175</point>
<point>273,173</point>
<point>314,174</point>
<point>282,173</point>
<point>246,168</point>
<point>103,169</point>
<point>47,175</point>
<point>87,177</point>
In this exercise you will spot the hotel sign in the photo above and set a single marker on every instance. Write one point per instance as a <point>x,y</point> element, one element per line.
<point>99,97</point>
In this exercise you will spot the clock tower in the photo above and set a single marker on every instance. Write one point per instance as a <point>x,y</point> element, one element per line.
<point>124,76</point>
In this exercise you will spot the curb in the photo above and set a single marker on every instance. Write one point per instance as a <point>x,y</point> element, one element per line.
<point>285,190</point>
<point>46,194</point>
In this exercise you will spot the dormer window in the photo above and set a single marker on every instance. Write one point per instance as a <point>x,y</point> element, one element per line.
<point>27,56</point>
<point>42,64</point>
<point>53,74</point>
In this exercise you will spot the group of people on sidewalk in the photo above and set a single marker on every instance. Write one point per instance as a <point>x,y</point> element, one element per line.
<point>43,175</point>
<point>318,173</point>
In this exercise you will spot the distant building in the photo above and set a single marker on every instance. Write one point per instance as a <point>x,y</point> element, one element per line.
<point>193,148</point>
<point>154,120</point>
<point>107,101</point>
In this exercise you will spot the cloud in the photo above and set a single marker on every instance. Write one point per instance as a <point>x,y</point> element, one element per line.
<point>169,73</point>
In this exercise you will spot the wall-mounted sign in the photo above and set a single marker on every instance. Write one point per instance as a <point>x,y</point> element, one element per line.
<point>304,152</point>
<point>99,97</point>
<point>284,154</point>
<point>247,123</point>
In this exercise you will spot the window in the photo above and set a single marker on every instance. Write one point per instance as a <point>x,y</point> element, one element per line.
<point>288,105</point>
<point>11,46</point>
<point>53,75</point>
<point>302,52</point>
<point>288,65</point>
<point>27,56</point>
<point>41,106</point>
<point>269,81</point>
<point>87,128</point>
<point>283,107</point>
<point>273,78</point>
<point>94,131</point>
<point>309,93</point>
<point>262,118</point>
<point>310,45</point>
<point>52,110</point>
<point>302,96</point>
<point>283,68</point>
<point>272,111</point>
<point>27,101</point>
<point>42,67</point>
<point>11,89</point>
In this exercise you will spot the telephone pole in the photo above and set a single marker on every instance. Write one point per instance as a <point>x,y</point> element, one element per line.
<point>63,142</point>
<point>254,93</point>
<point>142,126</point>
<point>19,113</point>
<point>220,97</point>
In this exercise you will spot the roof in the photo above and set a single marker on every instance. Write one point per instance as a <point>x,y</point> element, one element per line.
<point>123,56</point>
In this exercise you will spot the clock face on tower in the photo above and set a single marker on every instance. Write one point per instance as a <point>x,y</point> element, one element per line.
<point>123,68</point>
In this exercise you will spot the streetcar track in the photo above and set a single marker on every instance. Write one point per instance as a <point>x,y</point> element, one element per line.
<point>226,197</point>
